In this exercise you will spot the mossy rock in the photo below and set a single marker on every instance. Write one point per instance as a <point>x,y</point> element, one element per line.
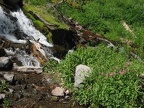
<point>49,37</point>
<point>38,24</point>
<point>45,30</point>
<point>30,16</point>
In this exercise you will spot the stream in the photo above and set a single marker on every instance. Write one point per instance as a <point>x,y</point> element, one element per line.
<point>23,48</point>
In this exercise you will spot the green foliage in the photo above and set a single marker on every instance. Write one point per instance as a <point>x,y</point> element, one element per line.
<point>50,67</point>
<point>37,2</point>
<point>3,89</point>
<point>6,103</point>
<point>3,86</point>
<point>106,16</point>
<point>114,82</point>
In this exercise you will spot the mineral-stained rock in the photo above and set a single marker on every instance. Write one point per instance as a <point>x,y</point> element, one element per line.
<point>81,72</point>
<point>28,69</point>
<point>5,63</point>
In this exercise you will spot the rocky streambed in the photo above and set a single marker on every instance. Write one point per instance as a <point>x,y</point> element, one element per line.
<point>20,90</point>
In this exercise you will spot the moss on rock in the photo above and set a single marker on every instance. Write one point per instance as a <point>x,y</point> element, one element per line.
<point>38,24</point>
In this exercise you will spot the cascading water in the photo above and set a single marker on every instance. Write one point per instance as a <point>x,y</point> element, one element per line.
<point>26,26</point>
<point>17,28</point>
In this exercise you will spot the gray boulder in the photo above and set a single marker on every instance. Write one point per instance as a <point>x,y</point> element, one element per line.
<point>5,63</point>
<point>81,72</point>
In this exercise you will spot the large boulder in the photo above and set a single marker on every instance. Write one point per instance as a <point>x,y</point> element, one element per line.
<point>81,72</point>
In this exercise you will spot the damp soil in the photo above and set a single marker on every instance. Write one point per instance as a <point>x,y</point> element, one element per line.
<point>34,91</point>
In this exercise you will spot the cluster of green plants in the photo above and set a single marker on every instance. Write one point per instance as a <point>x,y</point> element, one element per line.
<point>114,82</point>
<point>106,16</point>
<point>3,89</point>
<point>37,2</point>
<point>40,8</point>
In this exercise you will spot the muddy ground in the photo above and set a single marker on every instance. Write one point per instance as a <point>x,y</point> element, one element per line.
<point>33,91</point>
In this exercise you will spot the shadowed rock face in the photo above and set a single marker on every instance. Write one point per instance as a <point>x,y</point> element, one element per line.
<point>14,3</point>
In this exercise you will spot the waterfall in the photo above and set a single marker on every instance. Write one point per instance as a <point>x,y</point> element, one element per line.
<point>13,22</point>
<point>27,27</point>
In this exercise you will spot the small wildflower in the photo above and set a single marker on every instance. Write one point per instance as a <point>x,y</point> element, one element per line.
<point>107,75</point>
<point>114,73</point>
<point>122,72</point>
<point>111,74</point>
<point>116,68</point>
<point>140,86</point>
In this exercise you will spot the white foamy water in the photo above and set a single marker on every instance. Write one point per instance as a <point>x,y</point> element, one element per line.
<point>12,22</point>
<point>27,60</point>
<point>7,27</point>
<point>17,20</point>
<point>27,27</point>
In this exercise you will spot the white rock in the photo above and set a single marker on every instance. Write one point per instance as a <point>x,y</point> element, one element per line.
<point>2,96</point>
<point>9,77</point>
<point>58,91</point>
<point>81,72</point>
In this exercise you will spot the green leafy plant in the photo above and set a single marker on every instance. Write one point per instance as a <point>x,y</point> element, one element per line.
<point>3,89</point>
<point>114,82</point>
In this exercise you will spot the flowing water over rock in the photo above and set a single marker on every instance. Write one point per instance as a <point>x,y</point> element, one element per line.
<point>19,37</point>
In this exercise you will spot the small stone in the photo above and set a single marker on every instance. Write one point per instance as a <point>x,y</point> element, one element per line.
<point>2,96</point>
<point>9,77</point>
<point>11,90</point>
<point>67,91</point>
<point>67,97</point>
<point>49,80</point>
<point>58,91</point>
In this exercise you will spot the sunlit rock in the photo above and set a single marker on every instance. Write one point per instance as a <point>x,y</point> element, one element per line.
<point>9,77</point>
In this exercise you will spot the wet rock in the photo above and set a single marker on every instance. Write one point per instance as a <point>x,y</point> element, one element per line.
<point>9,77</point>
<point>5,63</point>
<point>2,52</point>
<point>58,91</point>
<point>81,72</point>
